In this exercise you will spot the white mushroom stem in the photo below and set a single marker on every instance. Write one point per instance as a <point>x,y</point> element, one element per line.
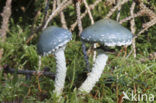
<point>95,74</point>
<point>60,71</point>
<point>39,63</point>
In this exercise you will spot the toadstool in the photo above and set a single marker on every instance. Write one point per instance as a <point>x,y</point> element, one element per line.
<point>53,40</point>
<point>105,32</point>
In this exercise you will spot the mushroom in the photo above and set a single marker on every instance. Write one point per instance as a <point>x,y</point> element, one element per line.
<point>53,40</point>
<point>105,32</point>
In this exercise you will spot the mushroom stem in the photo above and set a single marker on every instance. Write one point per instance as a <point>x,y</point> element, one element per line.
<point>39,63</point>
<point>60,71</point>
<point>85,56</point>
<point>95,74</point>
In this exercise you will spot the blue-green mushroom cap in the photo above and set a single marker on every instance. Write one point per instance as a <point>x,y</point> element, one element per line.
<point>107,32</point>
<point>52,39</point>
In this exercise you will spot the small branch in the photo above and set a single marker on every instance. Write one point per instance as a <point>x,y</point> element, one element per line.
<point>150,24</point>
<point>110,2</point>
<point>92,22</point>
<point>4,27</point>
<point>75,23</point>
<point>29,72</point>
<point>34,31</point>
<point>147,11</point>
<point>129,54</point>
<point>33,34</point>
<point>131,17</point>
<point>62,16</point>
<point>118,14</point>
<point>63,20</point>
<point>46,22</point>
<point>62,6</point>
<point>132,22</point>
<point>54,5</point>
<point>92,6</point>
<point>46,9</point>
<point>89,12</point>
<point>5,15</point>
<point>143,11</point>
<point>78,11</point>
<point>115,8</point>
<point>151,15</point>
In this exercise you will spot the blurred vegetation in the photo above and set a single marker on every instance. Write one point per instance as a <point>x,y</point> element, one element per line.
<point>118,76</point>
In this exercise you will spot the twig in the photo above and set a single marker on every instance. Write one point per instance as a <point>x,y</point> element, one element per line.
<point>150,24</point>
<point>34,31</point>
<point>89,12</point>
<point>62,16</point>
<point>53,14</point>
<point>116,7</point>
<point>142,72</point>
<point>144,11</point>
<point>78,11</point>
<point>62,6</point>
<point>118,19</point>
<point>4,27</point>
<point>63,20</point>
<point>46,9</point>
<point>151,15</point>
<point>92,6</point>
<point>29,72</point>
<point>129,54</point>
<point>118,14</point>
<point>132,22</point>
<point>54,5</point>
<point>110,2</point>
<point>92,22</point>
<point>147,11</point>
<point>140,13</point>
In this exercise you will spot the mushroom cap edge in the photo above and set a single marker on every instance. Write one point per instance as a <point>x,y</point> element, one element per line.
<point>52,39</point>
